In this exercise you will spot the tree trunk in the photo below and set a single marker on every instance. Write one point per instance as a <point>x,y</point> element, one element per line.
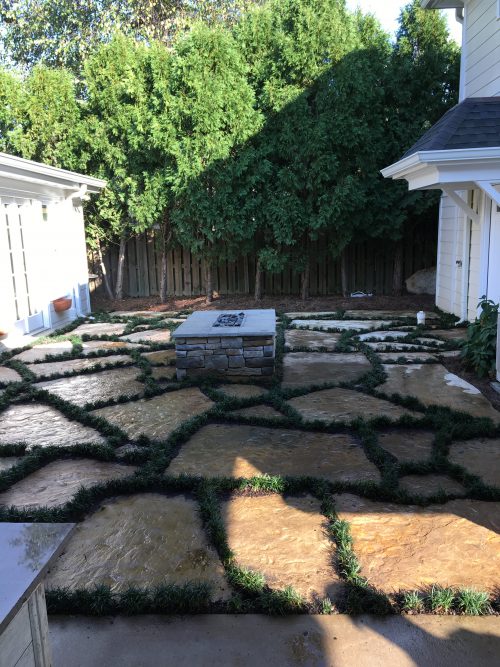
<point>104,274</point>
<point>163,276</point>
<point>209,283</point>
<point>258,280</point>
<point>121,266</point>
<point>397,276</point>
<point>343,272</point>
<point>166,241</point>
<point>304,288</point>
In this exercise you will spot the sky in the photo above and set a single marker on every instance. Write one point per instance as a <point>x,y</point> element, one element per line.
<point>387,12</point>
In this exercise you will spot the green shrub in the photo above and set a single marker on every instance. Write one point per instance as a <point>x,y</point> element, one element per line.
<point>479,351</point>
<point>472,602</point>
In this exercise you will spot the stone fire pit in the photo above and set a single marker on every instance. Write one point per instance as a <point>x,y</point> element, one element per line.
<point>227,343</point>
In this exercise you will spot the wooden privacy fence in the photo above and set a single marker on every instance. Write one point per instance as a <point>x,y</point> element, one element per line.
<point>369,267</point>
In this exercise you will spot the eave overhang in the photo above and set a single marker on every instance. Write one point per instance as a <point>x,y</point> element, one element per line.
<point>442,4</point>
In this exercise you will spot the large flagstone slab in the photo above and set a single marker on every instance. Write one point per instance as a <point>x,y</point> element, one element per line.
<point>433,384</point>
<point>406,357</point>
<point>143,540</point>
<point>389,314</point>
<point>480,457</point>
<point>74,365</point>
<point>37,424</point>
<point>344,405</point>
<point>314,340</point>
<point>101,386</point>
<point>398,347</point>
<point>450,334</point>
<point>92,346</point>
<point>9,375</point>
<point>429,485</point>
<point>383,335</point>
<point>265,411</point>
<point>234,450</point>
<point>156,417</point>
<point>242,390</point>
<point>7,462</point>
<point>342,325</point>
<point>285,540</point>
<point>99,329</point>
<point>149,314</point>
<point>58,481</point>
<point>159,357</point>
<point>149,336</point>
<point>410,547</point>
<point>163,373</point>
<point>407,444</point>
<point>305,368</point>
<point>41,352</point>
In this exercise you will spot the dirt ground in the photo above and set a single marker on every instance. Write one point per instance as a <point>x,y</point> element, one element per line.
<point>414,302</point>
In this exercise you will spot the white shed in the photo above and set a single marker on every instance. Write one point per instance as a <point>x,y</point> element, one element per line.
<point>42,246</point>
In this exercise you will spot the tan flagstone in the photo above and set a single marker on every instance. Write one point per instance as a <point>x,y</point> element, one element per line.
<point>73,365</point>
<point>407,444</point>
<point>91,346</point>
<point>342,325</point>
<point>305,368</point>
<point>41,352</point>
<point>480,457</point>
<point>99,329</point>
<point>160,357</point>
<point>149,336</point>
<point>315,340</point>
<point>9,375</point>
<point>264,411</point>
<point>429,485</point>
<point>242,390</point>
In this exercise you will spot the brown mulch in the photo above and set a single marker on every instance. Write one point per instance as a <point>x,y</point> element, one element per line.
<point>414,302</point>
<point>455,365</point>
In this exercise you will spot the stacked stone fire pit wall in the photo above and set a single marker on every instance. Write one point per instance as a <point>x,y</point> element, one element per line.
<point>226,351</point>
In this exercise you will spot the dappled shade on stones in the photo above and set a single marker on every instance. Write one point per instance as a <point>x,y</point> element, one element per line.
<point>224,450</point>
<point>57,482</point>
<point>143,540</point>
<point>41,425</point>
<point>410,547</point>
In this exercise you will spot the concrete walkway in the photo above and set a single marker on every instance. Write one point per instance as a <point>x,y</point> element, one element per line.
<point>299,641</point>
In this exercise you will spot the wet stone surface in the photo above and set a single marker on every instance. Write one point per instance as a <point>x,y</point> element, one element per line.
<point>430,485</point>
<point>102,386</point>
<point>407,444</point>
<point>308,368</point>
<point>344,405</point>
<point>7,462</point>
<point>315,340</point>
<point>242,390</point>
<point>75,365</point>
<point>409,547</point>
<point>433,384</point>
<point>99,329</point>
<point>143,540</point>
<point>285,540</point>
<point>156,417</point>
<point>41,352</point>
<point>9,375</point>
<point>480,457</point>
<point>151,336</point>
<point>232,450</point>
<point>41,425</point>
<point>57,482</point>
<point>264,411</point>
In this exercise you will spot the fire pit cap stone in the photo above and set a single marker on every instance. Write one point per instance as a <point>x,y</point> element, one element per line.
<point>256,322</point>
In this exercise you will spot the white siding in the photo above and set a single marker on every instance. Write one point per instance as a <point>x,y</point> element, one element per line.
<point>474,270</point>
<point>482,49</point>
<point>449,286</point>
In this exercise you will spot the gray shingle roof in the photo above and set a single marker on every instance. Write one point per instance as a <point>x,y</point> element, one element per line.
<point>474,123</point>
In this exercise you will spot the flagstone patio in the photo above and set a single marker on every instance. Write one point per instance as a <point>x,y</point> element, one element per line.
<point>241,486</point>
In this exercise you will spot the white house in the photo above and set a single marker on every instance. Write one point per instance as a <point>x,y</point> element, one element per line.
<point>460,155</point>
<point>42,246</point>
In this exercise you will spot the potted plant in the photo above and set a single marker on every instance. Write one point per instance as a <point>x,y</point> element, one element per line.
<point>62,303</point>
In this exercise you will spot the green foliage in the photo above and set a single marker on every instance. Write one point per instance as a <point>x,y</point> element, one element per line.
<point>473,602</point>
<point>479,351</point>
<point>441,599</point>
<point>412,601</point>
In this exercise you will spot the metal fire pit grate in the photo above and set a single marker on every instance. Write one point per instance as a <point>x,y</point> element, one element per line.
<point>229,320</point>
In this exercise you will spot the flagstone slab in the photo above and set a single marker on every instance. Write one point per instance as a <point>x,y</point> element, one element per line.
<point>75,365</point>
<point>144,313</point>
<point>450,334</point>
<point>163,372</point>
<point>160,357</point>
<point>407,445</point>
<point>9,375</point>
<point>284,539</point>
<point>386,314</point>
<point>235,450</point>
<point>57,482</point>
<point>305,368</point>
<point>41,352</point>
<point>342,325</point>
<point>143,540</point>
<point>7,462</point>
<point>99,329</point>
<point>40,425</point>
<point>92,346</point>
<point>319,313</point>
<point>344,405</point>
<point>480,457</point>
<point>383,335</point>
<point>242,390</point>
<point>156,417</point>
<point>127,449</point>
<point>314,340</point>
<point>433,384</point>
<point>149,336</point>
<point>264,411</point>
<point>397,347</point>
<point>430,485</point>
<point>407,357</point>
<point>101,386</point>
<point>411,547</point>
